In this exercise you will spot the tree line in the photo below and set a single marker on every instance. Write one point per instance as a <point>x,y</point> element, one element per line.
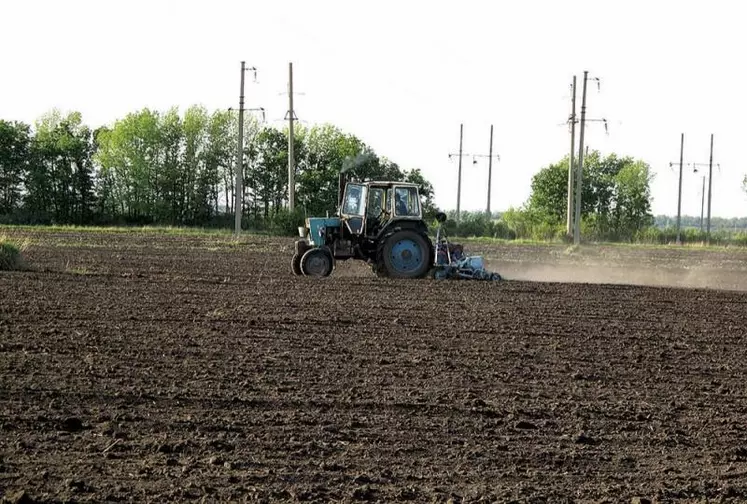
<point>615,203</point>
<point>616,206</point>
<point>167,168</point>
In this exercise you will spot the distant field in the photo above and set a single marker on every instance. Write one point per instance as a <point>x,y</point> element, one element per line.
<point>169,366</point>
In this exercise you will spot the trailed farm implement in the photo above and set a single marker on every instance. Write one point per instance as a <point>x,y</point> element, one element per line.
<point>382,224</point>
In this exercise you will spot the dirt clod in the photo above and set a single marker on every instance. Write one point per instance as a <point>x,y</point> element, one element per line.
<point>585,439</point>
<point>17,497</point>
<point>71,424</point>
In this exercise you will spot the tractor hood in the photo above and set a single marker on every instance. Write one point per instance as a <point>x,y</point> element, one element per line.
<point>316,225</point>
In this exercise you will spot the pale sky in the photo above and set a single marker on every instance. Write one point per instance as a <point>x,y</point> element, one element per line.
<point>402,75</point>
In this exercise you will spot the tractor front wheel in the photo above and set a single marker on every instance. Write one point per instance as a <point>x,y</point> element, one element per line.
<point>406,254</point>
<point>316,262</point>
<point>296,265</point>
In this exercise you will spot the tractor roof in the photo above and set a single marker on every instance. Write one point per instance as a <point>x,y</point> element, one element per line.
<point>390,183</point>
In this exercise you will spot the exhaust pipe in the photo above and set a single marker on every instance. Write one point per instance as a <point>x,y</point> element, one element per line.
<point>341,188</point>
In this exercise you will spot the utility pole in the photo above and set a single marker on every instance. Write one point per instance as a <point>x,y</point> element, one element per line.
<point>702,204</point>
<point>679,190</point>
<point>710,185</point>
<point>572,119</point>
<point>291,154</point>
<point>579,173</point>
<point>240,159</point>
<point>461,154</point>
<point>459,180</point>
<point>490,169</point>
<point>573,167</point>
<point>239,189</point>
<point>679,196</point>
<point>710,188</point>
<point>490,157</point>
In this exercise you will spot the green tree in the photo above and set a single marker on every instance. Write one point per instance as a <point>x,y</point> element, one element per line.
<point>165,133</point>
<point>549,191</point>
<point>415,176</point>
<point>220,155</point>
<point>198,185</point>
<point>143,175</point>
<point>616,196</point>
<point>60,181</point>
<point>15,143</point>
<point>267,174</point>
<point>325,150</point>
<point>632,199</point>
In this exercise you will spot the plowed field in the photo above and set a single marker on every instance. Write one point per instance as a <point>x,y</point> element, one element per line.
<point>161,368</point>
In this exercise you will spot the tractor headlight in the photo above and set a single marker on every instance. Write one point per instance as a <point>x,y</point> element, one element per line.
<point>302,231</point>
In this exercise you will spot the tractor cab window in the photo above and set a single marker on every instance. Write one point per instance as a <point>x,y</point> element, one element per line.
<point>406,203</point>
<point>376,202</point>
<point>354,201</point>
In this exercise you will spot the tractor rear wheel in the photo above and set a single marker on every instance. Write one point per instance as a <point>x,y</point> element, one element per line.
<point>406,253</point>
<point>316,262</point>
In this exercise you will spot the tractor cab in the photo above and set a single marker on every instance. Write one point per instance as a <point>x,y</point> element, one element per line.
<point>368,207</point>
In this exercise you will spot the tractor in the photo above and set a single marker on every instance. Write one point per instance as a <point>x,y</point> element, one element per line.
<point>382,224</point>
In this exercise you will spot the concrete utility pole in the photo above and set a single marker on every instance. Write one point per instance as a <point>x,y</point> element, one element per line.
<point>460,154</point>
<point>239,189</point>
<point>679,196</point>
<point>709,164</point>
<point>291,154</point>
<point>490,157</point>
<point>490,169</point>
<point>579,173</point>
<point>572,119</point>
<point>240,159</point>
<point>702,203</point>
<point>710,185</point>
<point>459,180</point>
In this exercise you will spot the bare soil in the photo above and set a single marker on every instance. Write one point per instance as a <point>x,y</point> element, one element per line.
<point>145,367</point>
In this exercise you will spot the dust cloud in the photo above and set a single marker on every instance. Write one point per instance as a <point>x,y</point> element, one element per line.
<point>679,268</point>
<point>629,274</point>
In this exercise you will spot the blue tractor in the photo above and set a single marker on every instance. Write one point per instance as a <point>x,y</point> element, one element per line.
<point>380,223</point>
